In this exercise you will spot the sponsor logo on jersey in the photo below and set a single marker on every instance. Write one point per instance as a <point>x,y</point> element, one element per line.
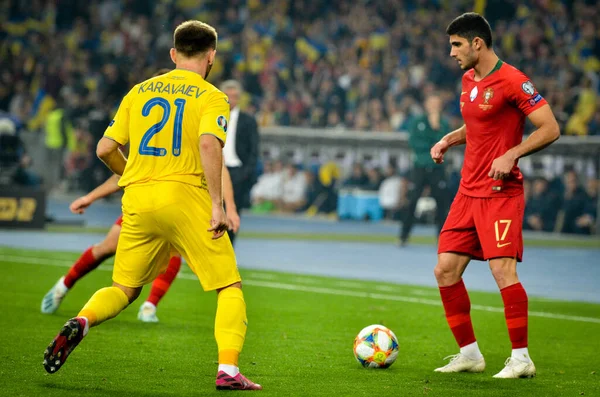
<point>528,88</point>
<point>473,94</point>
<point>222,123</point>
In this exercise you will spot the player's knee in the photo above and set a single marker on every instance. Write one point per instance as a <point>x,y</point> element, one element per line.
<point>132,293</point>
<point>104,249</point>
<point>234,285</point>
<point>504,271</point>
<point>446,273</point>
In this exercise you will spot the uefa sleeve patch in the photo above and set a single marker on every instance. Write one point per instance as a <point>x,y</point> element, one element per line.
<point>528,88</point>
<point>533,101</point>
<point>222,123</point>
<point>111,123</point>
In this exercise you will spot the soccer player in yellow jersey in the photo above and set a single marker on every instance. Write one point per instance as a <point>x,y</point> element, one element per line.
<point>176,126</point>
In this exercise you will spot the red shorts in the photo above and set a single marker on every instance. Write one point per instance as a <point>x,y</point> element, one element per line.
<point>484,228</point>
<point>119,220</point>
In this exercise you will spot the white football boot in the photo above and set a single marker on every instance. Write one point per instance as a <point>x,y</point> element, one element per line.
<point>515,368</point>
<point>54,297</point>
<point>147,313</point>
<point>461,363</point>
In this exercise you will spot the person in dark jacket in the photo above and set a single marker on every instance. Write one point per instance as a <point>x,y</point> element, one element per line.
<point>241,148</point>
<point>425,131</point>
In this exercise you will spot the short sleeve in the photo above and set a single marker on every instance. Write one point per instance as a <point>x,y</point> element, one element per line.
<point>118,128</point>
<point>215,116</point>
<point>523,93</point>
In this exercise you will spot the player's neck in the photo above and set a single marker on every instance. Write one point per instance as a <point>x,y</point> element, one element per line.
<point>198,68</point>
<point>487,63</point>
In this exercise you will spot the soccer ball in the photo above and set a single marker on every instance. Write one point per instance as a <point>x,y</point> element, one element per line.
<point>376,346</point>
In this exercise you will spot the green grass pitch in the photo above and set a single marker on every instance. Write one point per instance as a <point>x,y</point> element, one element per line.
<point>299,341</point>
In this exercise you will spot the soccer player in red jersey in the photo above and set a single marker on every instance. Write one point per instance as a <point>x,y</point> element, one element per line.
<point>485,219</point>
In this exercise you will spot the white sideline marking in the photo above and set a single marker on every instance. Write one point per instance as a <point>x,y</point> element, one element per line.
<point>316,290</point>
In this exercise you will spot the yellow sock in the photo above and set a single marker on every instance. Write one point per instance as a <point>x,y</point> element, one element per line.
<point>230,325</point>
<point>105,304</point>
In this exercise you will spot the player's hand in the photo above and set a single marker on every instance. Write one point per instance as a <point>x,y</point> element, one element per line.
<point>233,219</point>
<point>218,222</point>
<point>78,206</point>
<point>502,166</point>
<point>438,150</point>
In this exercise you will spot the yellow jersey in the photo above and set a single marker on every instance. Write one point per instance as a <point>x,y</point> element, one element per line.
<point>162,119</point>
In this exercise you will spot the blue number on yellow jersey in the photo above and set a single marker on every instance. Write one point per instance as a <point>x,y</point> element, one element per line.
<point>162,119</point>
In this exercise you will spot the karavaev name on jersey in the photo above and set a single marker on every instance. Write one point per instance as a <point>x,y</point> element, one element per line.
<point>162,120</point>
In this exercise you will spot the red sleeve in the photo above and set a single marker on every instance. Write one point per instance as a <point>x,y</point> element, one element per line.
<point>523,94</point>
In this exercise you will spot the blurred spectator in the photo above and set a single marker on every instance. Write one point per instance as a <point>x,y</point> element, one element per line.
<point>573,204</point>
<point>60,138</point>
<point>425,131</point>
<point>295,189</point>
<point>325,190</point>
<point>358,178</point>
<point>586,223</point>
<point>392,193</point>
<point>78,158</point>
<point>374,179</point>
<point>541,208</point>
<point>269,188</point>
<point>14,161</point>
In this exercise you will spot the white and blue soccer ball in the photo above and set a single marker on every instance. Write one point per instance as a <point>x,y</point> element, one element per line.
<point>376,346</point>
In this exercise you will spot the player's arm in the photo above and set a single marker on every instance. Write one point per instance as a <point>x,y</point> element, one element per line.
<point>524,96</point>
<point>233,217</point>
<point>211,154</point>
<point>454,138</point>
<point>109,187</point>
<point>547,131</point>
<point>117,134</point>
<point>213,133</point>
<point>108,151</point>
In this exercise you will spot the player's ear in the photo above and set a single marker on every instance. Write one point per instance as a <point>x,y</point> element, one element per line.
<point>211,56</point>
<point>477,43</point>
<point>173,54</point>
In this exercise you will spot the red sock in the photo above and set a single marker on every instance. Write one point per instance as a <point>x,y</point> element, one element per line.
<point>161,285</point>
<point>85,264</point>
<point>515,311</point>
<point>458,312</point>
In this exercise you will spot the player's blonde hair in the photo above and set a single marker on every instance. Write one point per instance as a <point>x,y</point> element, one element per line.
<point>193,38</point>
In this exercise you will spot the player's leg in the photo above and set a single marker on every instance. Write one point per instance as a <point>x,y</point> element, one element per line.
<point>213,261</point>
<point>418,181</point>
<point>519,365</point>
<point>458,244</point>
<point>141,256</point>
<point>502,240</point>
<point>160,286</point>
<point>88,261</point>
<point>439,191</point>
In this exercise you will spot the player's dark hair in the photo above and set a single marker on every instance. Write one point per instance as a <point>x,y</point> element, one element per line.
<point>193,38</point>
<point>470,25</point>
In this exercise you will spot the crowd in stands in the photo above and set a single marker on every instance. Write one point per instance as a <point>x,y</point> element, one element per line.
<point>365,65</point>
<point>566,205</point>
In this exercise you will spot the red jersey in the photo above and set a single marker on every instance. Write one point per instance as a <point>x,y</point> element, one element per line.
<point>494,111</point>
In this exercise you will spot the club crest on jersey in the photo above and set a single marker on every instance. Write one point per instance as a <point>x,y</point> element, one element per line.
<point>528,88</point>
<point>473,94</point>
<point>488,94</point>
<point>222,123</point>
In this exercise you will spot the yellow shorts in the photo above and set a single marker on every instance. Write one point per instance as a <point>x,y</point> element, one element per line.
<point>161,218</point>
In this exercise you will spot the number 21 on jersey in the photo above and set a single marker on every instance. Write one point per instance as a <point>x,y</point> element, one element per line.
<point>145,149</point>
